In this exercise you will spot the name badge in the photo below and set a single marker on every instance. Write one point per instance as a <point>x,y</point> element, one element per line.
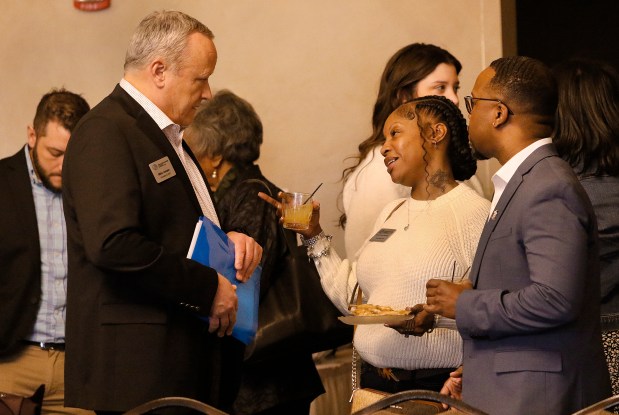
<point>382,235</point>
<point>162,169</point>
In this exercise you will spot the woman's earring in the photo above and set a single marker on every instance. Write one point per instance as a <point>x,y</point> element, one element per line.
<point>214,174</point>
<point>435,144</point>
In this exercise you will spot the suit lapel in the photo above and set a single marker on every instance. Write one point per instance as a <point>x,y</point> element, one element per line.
<point>151,130</point>
<point>193,157</point>
<point>509,192</point>
<point>18,182</point>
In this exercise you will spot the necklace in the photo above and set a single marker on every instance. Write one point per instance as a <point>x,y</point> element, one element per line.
<point>408,213</point>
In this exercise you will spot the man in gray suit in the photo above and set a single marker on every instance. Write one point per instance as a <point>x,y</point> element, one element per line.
<point>530,323</point>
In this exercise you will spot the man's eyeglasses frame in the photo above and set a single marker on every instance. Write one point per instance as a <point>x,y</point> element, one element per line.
<point>470,102</point>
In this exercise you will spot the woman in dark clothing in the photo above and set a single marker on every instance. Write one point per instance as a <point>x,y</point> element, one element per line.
<point>225,137</point>
<point>587,136</point>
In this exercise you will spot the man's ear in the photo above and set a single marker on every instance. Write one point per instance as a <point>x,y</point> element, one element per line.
<point>501,115</point>
<point>32,137</point>
<point>158,70</point>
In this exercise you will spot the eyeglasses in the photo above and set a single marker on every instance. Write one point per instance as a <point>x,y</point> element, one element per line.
<point>470,101</point>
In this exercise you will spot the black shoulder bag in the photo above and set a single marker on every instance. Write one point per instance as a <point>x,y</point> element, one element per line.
<point>295,312</point>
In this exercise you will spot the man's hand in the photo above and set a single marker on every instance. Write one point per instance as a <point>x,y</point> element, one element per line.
<point>442,296</point>
<point>223,311</point>
<point>453,385</point>
<point>247,255</point>
<point>418,325</point>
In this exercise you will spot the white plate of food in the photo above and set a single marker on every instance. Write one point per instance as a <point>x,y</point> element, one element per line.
<point>375,314</point>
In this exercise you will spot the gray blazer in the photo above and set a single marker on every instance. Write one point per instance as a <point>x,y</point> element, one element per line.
<point>531,328</point>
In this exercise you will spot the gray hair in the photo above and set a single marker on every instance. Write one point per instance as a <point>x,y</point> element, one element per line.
<point>162,34</point>
<point>226,125</point>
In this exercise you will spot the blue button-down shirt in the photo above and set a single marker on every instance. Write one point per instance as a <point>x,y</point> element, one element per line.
<point>50,322</point>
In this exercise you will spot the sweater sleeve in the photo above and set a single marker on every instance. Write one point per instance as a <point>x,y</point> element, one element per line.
<point>337,275</point>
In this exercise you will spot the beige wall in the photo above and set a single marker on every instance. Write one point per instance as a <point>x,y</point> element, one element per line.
<point>310,68</point>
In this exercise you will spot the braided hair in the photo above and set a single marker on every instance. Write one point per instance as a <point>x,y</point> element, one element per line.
<point>398,83</point>
<point>437,108</point>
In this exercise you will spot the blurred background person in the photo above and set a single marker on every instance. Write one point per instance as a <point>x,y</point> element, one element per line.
<point>414,71</point>
<point>225,137</point>
<point>435,234</point>
<point>587,136</point>
<point>33,255</point>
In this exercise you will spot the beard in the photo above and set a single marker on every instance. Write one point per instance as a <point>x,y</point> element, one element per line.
<point>43,175</point>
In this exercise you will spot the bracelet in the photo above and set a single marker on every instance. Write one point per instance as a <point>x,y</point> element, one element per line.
<point>312,241</point>
<point>434,324</point>
<point>324,252</point>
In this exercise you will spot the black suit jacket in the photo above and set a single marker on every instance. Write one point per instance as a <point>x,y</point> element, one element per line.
<point>20,254</point>
<point>133,296</point>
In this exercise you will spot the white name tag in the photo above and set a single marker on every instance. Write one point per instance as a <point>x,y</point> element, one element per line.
<point>162,169</point>
<point>382,235</point>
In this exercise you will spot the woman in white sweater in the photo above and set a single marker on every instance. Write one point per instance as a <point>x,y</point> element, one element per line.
<point>415,70</point>
<point>435,234</point>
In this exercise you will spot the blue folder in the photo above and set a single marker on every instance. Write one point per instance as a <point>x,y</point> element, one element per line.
<point>212,247</point>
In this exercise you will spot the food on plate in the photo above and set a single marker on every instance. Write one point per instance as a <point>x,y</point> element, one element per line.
<point>376,310</point>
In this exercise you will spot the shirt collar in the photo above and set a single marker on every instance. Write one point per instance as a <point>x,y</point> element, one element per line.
<point>507,171</point>
<point>169,128</point>
<point>34,179</point>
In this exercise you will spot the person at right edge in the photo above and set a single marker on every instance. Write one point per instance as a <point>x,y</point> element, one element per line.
<point>530,321</point>
<point>587,136</point>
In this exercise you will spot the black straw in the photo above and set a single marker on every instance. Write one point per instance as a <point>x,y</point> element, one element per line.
<point>314,192</point>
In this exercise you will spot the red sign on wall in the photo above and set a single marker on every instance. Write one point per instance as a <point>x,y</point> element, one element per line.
<point>91,5</point>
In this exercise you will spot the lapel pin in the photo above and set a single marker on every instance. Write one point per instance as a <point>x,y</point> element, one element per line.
<point>493,217</point>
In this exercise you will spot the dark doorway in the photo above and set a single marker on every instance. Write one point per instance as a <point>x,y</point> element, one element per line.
<point>553,30</point>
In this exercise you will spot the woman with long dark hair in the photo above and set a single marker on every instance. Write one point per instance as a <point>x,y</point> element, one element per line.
<point>414,71</point>
<point>587,136</point>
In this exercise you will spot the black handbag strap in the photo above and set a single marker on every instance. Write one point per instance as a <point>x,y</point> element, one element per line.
<point>178,402</point>
<point>260,182</point>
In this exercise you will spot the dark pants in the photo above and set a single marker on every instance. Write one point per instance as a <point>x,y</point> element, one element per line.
<point>425,379</point>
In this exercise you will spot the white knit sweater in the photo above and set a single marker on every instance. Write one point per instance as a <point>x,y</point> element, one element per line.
<point>394,273</point>
<point>366,192</point>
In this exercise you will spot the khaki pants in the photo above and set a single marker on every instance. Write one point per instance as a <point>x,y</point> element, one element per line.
<point>22,373</point>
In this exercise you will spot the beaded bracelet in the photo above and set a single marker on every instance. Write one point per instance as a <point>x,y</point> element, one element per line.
<point>324,252</point>
<point>312,241</point>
